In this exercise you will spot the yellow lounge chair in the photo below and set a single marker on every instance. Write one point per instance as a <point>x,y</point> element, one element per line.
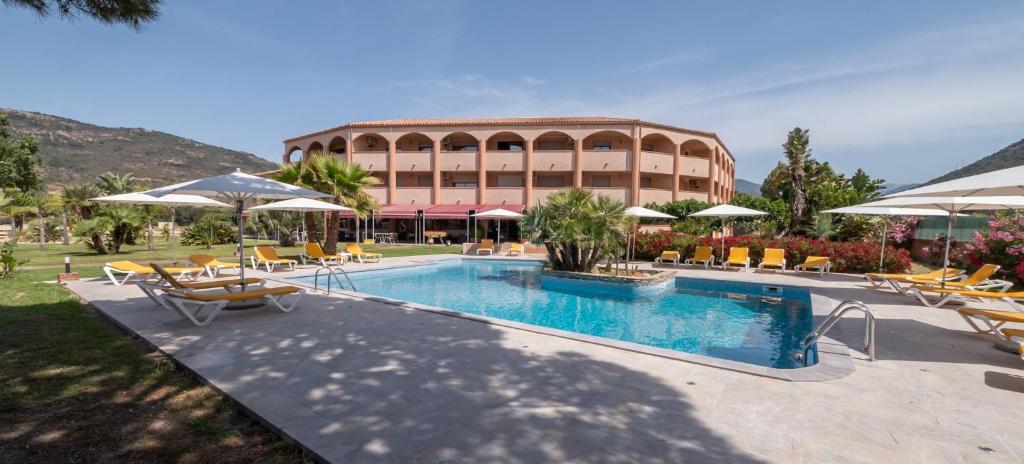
<point>486,245</point>
<point>821,264</point>
<point>357,252</point>
<point>190,304</point>
<point>130,269</point>
<point>992,319</point>
<point>155,290</point>
<point>704,255</point>
<point>213,265</point>
<point>314,251</point>
<point>518,248</point>
<point>773,257</point>
<point>979,280</point>
<point>668,257</point>
<point>267,256</point>
<point>738,256</point>
<point>957,294</point>
<point>1016,335</point>
<point>879,279</point>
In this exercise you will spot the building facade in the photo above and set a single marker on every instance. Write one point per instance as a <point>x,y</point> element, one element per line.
<point>519,161</point>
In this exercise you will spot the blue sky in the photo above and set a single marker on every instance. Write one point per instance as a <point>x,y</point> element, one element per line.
<point>906,90</point>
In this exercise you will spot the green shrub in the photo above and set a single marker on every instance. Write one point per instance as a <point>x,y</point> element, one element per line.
<point>8,262</point>
<point>210,230</point>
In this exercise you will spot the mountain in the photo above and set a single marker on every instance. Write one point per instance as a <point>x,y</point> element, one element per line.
<point>76,151</point>
<point>890,187</point>
<point>1011,156</point>
<point>748,187</point>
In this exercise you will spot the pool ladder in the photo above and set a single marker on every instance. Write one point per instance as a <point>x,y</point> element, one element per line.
<point>332,274</point>
<point>833,318</point>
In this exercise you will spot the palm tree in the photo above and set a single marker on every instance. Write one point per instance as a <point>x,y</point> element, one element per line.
<point>112,183</point>
<point>78,198</point>
<point>345,182</point>
<point>797,153</point>
<point>577,229</point>
<point>131,12</point>
<point>299,174</point>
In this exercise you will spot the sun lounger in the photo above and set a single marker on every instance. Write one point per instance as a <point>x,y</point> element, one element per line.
<point>1016,335</point>
<point>314,251</point>
<point>773,257</point>
<point>738,256</point>
<point>155,291</point>
<point>879,279</point>
<point>213,265</point>
<point>190,303</point>
<point>668,257</point>
<point>979,280</point>
<point>517,248</point>
<point>992,319</point>
<point>129,269</point>
<point>357,253</point>
<point>820,264</point>
<point>267,256</point>
<point>947,295</point>
<point>486,245</point>
<point>702,255</point>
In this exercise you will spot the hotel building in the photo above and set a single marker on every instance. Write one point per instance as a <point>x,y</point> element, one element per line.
<point>457,165</point>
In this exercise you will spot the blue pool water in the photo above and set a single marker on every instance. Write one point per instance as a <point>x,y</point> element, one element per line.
<point>723,319</point>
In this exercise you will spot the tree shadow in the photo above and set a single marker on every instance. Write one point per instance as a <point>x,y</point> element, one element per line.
<point>383,383</point>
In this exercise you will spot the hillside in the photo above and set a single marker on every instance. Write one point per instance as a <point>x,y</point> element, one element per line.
<point>77,151</point>
<point>748,187</point>
<point>1011,156</point>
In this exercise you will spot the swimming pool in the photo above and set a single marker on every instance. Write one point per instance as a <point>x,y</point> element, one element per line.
<point>737,321</point>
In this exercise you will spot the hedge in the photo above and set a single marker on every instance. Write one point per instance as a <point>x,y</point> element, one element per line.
<point>851,257</point>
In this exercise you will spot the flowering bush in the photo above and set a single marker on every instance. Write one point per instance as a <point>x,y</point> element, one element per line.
<point>1002,244</point>
<point>857,257</point>
<point>901,229</point>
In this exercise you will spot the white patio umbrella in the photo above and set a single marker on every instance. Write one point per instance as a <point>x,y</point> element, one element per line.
<point>171,201</point>
<point>1003,182</point>
<point>952,206</point>
<point>640,212</point>
<point>885,212</point>
<point>724,211</point>
<point>238,187</point>
<point>304,205</point>
<point>499,214</point>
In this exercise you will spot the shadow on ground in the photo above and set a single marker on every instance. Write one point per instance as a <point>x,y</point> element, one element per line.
<point>387,384</point>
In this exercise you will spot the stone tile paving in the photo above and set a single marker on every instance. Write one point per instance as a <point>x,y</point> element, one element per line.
<point>361,381</point>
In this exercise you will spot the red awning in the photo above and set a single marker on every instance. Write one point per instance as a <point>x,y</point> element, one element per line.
<point>451,211</point>
<point>400,211</point>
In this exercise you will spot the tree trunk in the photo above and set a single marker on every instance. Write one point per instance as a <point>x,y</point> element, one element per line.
<point>798,207</point>
<point>97,243</point>
<point>42,233</point>
<point>312,232</point>
<point>331,240</point>
<point>149,236</point>
<point>64,224</point>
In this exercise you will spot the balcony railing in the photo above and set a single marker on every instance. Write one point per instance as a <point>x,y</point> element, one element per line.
<point>552,160</point>
<point>459,161</point>
<point>656,162</point>
<point>505,195</point>
<point>407,161</point>
<point>508,161</point>
<point>412,196</point>
<point>606,160</point>
<point>651,195</point>
<point>693,166</point>
<point>458,195</point>
<point>371,161</point>
<point>378,193</point>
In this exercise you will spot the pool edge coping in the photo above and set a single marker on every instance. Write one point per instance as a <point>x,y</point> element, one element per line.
<point>834,357</point>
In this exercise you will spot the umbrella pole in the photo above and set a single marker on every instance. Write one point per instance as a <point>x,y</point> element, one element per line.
<point>241,243</point>
<point>885,226</point>
<point>945,258</point>
<point>174,240</point>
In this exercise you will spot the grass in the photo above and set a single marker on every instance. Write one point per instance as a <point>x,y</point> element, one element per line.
<point>83,257</point>
<point>75,389</point>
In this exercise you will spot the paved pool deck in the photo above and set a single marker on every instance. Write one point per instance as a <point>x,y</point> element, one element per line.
<point>357,380</point>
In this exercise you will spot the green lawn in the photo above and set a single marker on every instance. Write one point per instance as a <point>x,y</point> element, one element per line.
<point>74,389</point>
<point>83,258</point>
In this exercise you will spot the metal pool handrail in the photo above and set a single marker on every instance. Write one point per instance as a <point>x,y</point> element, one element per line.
<point>331,273</point>
<point>833,318</point>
